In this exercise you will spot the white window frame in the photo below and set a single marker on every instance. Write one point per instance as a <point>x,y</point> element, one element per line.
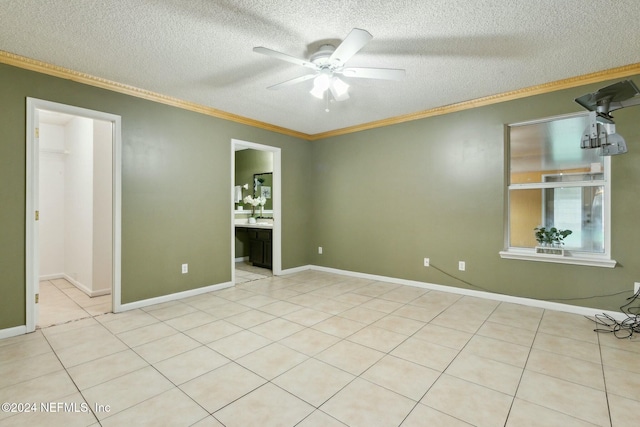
<point>569,257</point>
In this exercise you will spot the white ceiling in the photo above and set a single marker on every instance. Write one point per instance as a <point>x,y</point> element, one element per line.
<point>201,50</point>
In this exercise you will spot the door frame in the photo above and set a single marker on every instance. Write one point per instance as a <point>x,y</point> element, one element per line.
<point>237,144</point>
<point>32,194</point>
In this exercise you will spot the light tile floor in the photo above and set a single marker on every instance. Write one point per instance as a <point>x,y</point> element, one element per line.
<point>61,302</point>
<point>245,272</point>
<point>319,349</point>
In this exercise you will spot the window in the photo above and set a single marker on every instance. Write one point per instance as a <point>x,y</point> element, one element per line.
<point>552,182</point>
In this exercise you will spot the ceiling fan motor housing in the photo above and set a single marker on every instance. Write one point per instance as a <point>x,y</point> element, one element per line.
<point>322,56</point>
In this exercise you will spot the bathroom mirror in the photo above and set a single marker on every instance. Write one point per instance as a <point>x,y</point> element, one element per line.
<point>251,167</point>
<point>263,187</point>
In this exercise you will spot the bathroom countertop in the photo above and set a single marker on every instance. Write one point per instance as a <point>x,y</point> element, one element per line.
<point>256,225</point>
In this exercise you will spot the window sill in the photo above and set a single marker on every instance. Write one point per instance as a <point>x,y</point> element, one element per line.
<point>530,255</point>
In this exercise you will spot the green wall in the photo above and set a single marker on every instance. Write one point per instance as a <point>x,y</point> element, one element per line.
<point>386,198</point>
<point>176,182</point>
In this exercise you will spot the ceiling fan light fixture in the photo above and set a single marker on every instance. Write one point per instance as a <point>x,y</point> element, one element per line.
<point>339,86</point>
<point>322,81</point>
<point>317,92</point>
<point>320,85</point>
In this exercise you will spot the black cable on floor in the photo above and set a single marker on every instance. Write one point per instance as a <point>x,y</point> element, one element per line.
<point>624,328</point>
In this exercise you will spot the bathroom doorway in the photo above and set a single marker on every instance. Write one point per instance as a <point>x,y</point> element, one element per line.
<point>273,193</point>
<point>73,213</point>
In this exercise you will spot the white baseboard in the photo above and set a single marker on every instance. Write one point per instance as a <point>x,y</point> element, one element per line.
<point>296,270</point>
<point>173,297</point>
<point>100,292</point>
<point>51,276</point>
<point>548,305</point>
<point>13,332</point>
<point>85,289</point>
<point>242,258</point>
<point>80,286</point>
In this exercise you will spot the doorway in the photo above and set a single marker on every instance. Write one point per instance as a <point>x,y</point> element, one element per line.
<point>274,201</point>
<point>73,213</point>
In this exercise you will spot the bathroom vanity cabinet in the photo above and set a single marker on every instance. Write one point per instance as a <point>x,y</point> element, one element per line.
<point>260,253</point>
<point>255,240</point>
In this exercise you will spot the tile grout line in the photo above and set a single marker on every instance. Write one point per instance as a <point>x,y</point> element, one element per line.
<point>66,370</point>
<point>452,360</point>
<point>604,379</point>
<point>524,368</point>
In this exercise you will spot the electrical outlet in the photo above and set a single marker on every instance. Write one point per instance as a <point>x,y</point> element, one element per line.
<point>185,268</point>
<point>462,265</point>
<point>636,287</point>
<point>320,250</point>
<point>426,262</point>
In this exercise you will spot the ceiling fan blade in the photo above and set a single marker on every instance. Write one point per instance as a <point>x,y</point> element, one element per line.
<point>285,57</point>
<point>374,73</point>
<point>292,81</point>
<point>354,41</point>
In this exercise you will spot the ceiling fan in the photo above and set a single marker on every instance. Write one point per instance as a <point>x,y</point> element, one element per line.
<point>328,63</point>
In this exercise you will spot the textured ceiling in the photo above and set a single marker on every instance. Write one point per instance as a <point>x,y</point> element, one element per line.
<point>201,50</point>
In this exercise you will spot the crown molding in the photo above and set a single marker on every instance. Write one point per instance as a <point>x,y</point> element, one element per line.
<point>65,73</point>
<point>599,76</point>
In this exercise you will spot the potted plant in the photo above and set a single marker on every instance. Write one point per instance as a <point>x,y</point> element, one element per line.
<point>550,241</point>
